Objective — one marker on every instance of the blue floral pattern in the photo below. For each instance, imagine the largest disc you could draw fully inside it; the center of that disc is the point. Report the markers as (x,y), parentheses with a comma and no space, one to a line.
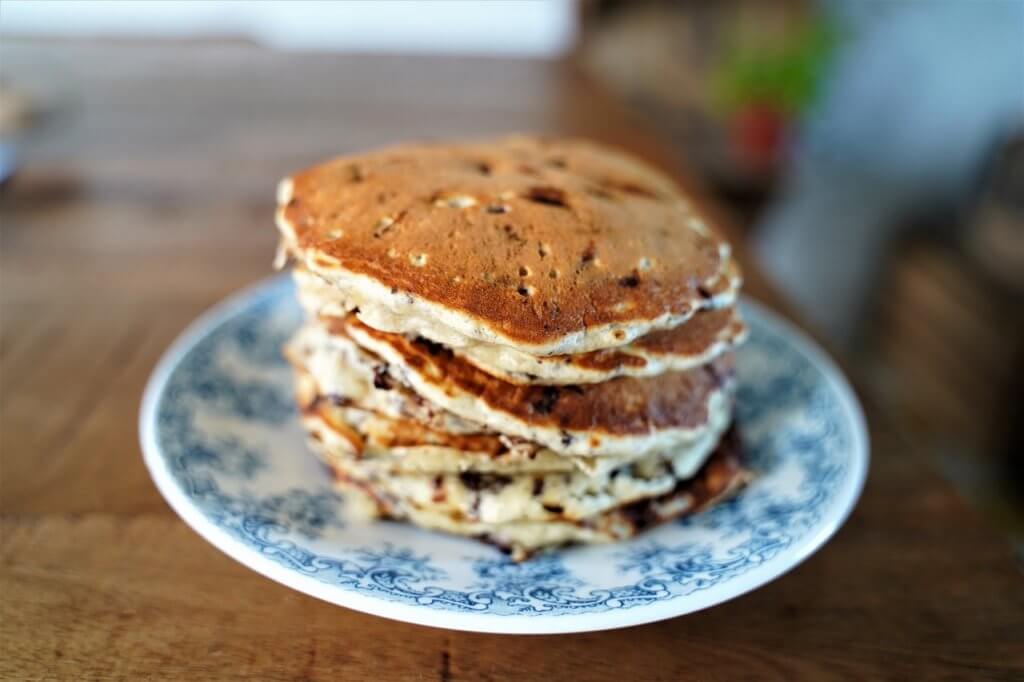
(225,431)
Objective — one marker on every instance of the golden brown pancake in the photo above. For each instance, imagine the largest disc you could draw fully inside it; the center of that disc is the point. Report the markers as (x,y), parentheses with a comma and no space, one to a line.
(344,430)
(345,375)
(610,418)
(389,433)
(338,384)
(547,246)
(522,340)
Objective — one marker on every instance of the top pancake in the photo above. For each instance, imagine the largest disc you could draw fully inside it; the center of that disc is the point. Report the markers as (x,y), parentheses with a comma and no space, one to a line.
(549,247)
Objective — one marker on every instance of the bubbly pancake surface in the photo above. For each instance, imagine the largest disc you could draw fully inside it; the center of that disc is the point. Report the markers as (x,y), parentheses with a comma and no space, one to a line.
(546,246)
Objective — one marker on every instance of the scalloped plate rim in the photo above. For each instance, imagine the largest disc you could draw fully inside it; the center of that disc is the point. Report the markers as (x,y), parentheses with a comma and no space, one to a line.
(847,497)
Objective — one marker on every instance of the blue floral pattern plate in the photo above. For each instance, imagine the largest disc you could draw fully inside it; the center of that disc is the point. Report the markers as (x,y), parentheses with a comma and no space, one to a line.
(221,439)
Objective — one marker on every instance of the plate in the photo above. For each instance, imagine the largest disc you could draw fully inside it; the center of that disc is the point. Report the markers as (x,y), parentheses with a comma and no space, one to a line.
(221,438)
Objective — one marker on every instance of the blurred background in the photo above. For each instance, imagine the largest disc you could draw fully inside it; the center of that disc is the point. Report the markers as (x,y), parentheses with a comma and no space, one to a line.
(870,153)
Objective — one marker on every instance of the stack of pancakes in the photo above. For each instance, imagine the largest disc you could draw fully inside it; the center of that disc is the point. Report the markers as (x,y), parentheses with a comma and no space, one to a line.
(526,341)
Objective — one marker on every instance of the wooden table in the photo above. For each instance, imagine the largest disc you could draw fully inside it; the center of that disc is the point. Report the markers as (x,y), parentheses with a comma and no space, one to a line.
(148,199)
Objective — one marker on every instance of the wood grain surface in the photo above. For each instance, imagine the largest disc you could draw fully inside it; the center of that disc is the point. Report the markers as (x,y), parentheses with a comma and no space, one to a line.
(146,196)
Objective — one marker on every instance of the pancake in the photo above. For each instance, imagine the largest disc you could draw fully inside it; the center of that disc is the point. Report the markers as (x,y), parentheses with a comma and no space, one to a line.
(621,417)
(548,247)
(720,476)
(706,336)
(390,446)
(520,340)
(341,409)
(701,339)
(333,367)
(394,447)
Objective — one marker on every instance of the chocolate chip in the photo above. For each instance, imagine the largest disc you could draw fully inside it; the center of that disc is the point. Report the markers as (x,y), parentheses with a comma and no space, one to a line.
(381,379)
(553,508)
(546,402)
(566,439)
(589,254)
(704,292)
(511,233)
(538,485)
(631,281)
(431,347)
(639,514)
(477,481)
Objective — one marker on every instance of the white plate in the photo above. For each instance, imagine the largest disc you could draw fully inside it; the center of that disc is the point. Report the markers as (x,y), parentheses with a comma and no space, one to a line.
(221,440)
